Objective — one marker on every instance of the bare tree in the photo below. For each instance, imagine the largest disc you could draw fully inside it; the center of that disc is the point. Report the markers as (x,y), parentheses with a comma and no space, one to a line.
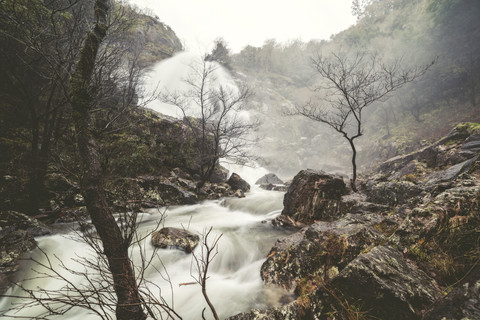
(93,291)
(213,113)
(349,85)
(115,246)
(202,263)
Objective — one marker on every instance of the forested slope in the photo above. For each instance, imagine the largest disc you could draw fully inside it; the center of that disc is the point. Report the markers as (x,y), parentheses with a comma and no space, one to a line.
(413,32)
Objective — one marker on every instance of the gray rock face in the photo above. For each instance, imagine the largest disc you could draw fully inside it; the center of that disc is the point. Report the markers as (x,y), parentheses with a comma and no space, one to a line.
(236,182)
(269,178)
(389,286)
(315,195)
(319,249)
(175,238)
(393,193)
(452,173)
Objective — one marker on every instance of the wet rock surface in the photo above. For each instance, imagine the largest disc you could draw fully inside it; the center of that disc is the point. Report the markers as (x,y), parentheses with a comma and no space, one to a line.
(236,182)
(314,195)
(391,251)
(319,249)
(176,239)
(391,287)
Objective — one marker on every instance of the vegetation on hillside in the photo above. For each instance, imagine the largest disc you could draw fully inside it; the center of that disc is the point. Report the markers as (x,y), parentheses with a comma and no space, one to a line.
(40,44)
(418,32)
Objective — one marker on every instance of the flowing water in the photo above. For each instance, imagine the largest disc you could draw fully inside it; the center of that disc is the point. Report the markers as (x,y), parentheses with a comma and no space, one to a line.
(234,283)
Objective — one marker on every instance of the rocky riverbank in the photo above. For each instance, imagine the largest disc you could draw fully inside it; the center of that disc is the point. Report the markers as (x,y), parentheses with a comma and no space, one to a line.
(405,247)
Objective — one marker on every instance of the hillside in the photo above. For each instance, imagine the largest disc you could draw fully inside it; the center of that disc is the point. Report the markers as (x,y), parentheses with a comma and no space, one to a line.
(421,112)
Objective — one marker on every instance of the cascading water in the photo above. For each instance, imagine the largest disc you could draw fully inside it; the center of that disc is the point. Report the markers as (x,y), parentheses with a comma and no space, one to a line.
(234,284)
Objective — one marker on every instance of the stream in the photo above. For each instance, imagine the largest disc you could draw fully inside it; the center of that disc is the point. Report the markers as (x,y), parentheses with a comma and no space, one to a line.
(234,283)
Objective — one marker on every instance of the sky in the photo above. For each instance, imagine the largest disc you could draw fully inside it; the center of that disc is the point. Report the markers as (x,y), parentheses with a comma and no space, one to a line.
(250,22)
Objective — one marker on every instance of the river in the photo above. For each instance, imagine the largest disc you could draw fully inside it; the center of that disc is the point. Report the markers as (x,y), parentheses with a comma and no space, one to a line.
(234,283)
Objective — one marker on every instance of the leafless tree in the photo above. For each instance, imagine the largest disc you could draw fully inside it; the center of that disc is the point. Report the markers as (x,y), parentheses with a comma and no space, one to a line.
(212,112)
(94,291)
(351,84)
(201,263)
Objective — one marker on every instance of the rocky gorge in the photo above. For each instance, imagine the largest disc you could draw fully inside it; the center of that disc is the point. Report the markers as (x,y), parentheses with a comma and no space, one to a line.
(406,246)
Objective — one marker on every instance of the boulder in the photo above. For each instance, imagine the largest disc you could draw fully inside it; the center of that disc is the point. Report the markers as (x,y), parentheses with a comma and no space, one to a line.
(175,238)
(269,178)
(320,249)
(388,286)
(236,182)
(220,174)
(315,195)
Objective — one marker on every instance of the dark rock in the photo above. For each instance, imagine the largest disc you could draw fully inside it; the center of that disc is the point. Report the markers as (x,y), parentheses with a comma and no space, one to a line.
(236,182)
(315,195)
(175,238)
(269,178)
(239,194)
(451,173)
(320,249)
(472,145)
(389,286)
(149,192)
(287,312)
(220,174)
(17,232)
(273,187)
(287,222)
(393,193)
(463,302)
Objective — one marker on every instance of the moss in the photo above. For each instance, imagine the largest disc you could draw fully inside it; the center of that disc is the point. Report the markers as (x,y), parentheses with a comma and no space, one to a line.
(450,142)
(469,127)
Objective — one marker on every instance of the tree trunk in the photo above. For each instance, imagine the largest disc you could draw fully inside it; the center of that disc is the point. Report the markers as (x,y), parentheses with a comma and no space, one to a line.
(115,247)
(354,166)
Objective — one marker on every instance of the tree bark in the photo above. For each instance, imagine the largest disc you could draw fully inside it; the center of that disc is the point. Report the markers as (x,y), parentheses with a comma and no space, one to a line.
(354,166)
(115,247)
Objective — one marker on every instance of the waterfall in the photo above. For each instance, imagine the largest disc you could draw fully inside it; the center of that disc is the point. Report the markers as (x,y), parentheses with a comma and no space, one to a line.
(234,283)
(170,75)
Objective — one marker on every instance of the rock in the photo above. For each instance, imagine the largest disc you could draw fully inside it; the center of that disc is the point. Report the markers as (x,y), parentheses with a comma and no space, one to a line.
(393,193)
(239,194)
(17,232)
(388,286)
(220,174)
(269,178)
(175,238)
(315,195)
(451,173)
(463,302)
(236,182)
(287,312)
(273,187)
(318,248)
(149,192)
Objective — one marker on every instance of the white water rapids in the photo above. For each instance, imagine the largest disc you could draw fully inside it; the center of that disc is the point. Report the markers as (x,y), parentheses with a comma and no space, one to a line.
(234,283)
